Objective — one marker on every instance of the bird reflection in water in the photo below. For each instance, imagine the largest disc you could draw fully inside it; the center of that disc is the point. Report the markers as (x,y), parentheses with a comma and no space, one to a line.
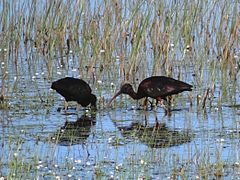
(156,136)
(76,132)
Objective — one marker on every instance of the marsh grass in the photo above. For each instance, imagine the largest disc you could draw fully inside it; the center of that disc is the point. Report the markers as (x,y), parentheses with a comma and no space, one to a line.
(107,42)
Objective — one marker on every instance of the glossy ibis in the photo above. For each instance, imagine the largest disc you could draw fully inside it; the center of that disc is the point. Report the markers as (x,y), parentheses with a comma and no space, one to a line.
(156,87)
(73,89)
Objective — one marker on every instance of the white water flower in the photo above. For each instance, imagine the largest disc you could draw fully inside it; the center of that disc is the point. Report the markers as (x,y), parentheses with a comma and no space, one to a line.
(237,164)
(118,166)
(99,82)
(110,140)
(112,84)
(78,161)
(22,131)
(235,57)
(220,140)
(39,166)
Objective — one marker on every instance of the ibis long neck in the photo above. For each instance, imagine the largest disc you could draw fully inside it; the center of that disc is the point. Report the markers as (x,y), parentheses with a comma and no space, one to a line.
(134,95)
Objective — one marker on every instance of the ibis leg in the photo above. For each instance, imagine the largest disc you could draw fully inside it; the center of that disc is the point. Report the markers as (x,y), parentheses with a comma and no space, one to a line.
(156,118)
(161,102)
(145,118)
(78,107)
(152,104)
(65,105)
(166,108)
(145,103)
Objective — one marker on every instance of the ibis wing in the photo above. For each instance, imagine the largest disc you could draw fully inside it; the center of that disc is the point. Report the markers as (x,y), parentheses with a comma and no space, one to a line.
(160,86)
(72,89)
(78,92)
(158,91)
(151,89)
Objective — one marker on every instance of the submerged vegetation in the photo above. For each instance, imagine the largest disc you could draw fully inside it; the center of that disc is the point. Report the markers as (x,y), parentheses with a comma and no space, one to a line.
(108,42)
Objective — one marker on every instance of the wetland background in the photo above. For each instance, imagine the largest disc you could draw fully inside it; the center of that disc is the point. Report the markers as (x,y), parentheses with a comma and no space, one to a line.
(106,43)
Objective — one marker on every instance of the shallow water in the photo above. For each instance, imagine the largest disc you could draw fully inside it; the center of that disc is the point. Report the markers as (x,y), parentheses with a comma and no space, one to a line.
(117,141)
(121,141)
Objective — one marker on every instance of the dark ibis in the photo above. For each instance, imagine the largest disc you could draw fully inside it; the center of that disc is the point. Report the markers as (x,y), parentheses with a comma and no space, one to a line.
(156,87)
(73,89)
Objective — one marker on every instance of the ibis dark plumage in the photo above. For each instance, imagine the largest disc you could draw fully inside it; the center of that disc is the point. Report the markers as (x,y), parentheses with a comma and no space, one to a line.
(156,87)
(73,89)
